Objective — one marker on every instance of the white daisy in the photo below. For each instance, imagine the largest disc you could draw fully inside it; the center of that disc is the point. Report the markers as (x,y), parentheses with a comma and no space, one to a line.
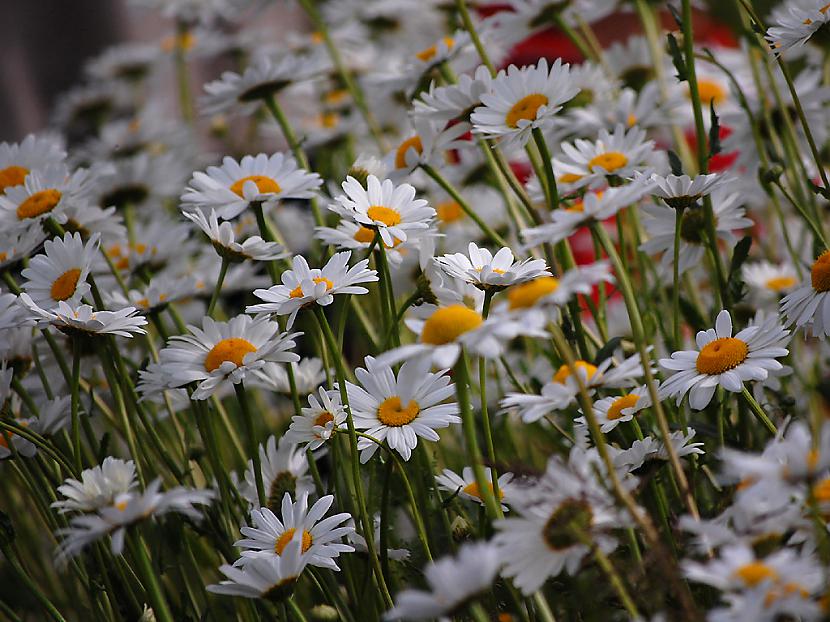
(466,486)
(796,23)
(45,193)
(808,306)
(224,352)
(320,537)
(613,410)
(428,146)
(284,471)
(17,245)
(392,210)
(53,416)
(98,486)
(724,360)
(682,191)
(488,271)
(231,188)
(303,286)
(453,583)
(319,421)
(32,153)
(549,290)
(659,223)
(399,409)
(593,206)
(454,101)
(617,154)
(223,240)
(270,577)
(653,448)
(262,79)
(308,375)
(12,314)
(349,235)
(59,274)
(769,280)
(84,320)
(522,99)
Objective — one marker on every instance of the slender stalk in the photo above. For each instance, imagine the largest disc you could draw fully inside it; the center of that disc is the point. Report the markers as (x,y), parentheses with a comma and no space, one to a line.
(547,163)
(155,593)
(461,6)
(675,295)
(485,414)
(253,449)
(758,411)
(75,417)
(223,270)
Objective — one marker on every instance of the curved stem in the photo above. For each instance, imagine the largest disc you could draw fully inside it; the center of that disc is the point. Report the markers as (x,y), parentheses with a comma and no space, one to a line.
(223,270)
(758,411)
(253,449)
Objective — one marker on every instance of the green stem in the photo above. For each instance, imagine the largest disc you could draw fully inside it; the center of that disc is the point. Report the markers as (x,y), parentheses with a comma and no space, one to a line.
(678,222)
(758,411)
(151,583)
(75,417)
(461,6)
(253,449)
(547,163)
(223,270)
(485,415)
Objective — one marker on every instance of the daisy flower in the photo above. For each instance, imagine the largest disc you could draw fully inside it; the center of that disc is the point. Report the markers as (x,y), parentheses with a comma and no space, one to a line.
(724,360)
(392,210)
(454,101)
(617,154)
(14,246)
(232,187)
(60,273)
(428,145)
(453,583)
(399,409)
(653,448)
(488,271)
(443,330)
(303,286)
(12,314)
(611,411)
(318,422)
(222,238)
(98,486)
(539,540)
(520,100)
(32,153)
(262,79)
(808,306)
(682,191)
(53,416)
(224,352)
(270,577)
(796,23)
(308,375)
(83,320)
(550,290)
(594,206)
(320,537)
(45,193)
(769,279)
(127,509)
(349,235)
(659,223)
(466,487)
(284,471)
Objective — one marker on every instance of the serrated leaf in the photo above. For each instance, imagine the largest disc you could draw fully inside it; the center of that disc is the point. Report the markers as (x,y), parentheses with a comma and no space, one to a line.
(677,58)
(714,131)
(675,163)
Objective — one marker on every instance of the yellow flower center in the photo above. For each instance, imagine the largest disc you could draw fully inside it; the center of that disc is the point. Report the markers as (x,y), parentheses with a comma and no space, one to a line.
(183,41)
(323,418)
(784,590)
(621,403)
(427,54)
(286,537)
(564,372)
(297,292)
(721,355)
(364,235)
(12,176)
(754,573)
(446,324)
(820,273)
(711,91)
(64,286)
(263,183)
(526,108)
(570,178)
(232,349)
(525,295)
(449,211)
(821,491)
(474,491)
(386,215)
(392,413)
(780,283)
(631,120)
(335,97)
(410,143)
(39,203)
(609,161)
(122,505)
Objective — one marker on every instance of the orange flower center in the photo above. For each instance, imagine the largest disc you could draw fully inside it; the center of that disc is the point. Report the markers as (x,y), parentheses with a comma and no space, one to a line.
(232,349)
(64,286)
(473,490)
(526,108)
(564,372)
(721,355)
(569,178)
(711,91)
(446,324)
(297,292)
(449,211)
(410,143)
(526,295)
(287,536)
(427,54)
(820,273)
(323,418)
(620,404)
(386,215)
(39,203)
(12,176)
(263,183)
(754,573)
(609,161)
(391,412)
(780,283)
(821,491)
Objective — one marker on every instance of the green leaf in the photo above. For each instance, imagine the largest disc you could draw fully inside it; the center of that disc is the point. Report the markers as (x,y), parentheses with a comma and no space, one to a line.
(677,58)
(675,163)
(607,350)
(714,131)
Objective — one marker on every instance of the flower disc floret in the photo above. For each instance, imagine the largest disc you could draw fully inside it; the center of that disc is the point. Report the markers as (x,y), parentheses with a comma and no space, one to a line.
(721,355)
(446,324)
